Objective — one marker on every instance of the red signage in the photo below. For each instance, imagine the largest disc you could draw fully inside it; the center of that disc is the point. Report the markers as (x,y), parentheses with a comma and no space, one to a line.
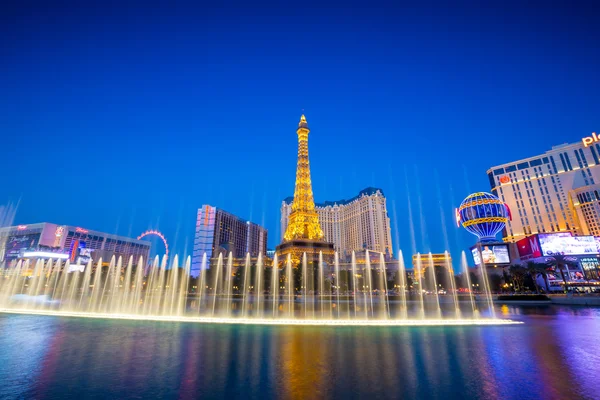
(81,230)
(529,248)
(21,227)
(504,179)
(74,248)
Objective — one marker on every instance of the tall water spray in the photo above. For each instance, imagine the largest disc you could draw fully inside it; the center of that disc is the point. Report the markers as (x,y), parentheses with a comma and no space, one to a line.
(122,288)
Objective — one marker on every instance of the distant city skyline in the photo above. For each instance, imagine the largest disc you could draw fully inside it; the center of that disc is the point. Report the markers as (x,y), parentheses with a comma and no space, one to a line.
(122,124)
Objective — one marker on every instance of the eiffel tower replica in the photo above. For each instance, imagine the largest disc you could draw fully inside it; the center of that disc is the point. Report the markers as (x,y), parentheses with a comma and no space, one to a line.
(303,233)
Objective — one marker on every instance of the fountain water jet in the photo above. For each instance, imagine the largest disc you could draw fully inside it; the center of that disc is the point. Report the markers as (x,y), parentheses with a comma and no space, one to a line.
(162,294)
(246,289)
(202,286)
(258,289)
(465,271)
(354,286)
(419,272)
(275,286)
(435,285)
(450,272)
(290,287)
(216,283)
(369,281)
(229,285)
(403,286)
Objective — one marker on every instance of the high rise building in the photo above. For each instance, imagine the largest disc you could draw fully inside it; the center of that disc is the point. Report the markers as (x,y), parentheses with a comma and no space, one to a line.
(218,231)
(79,245)
(586,201)
(303,234)
(543,192)
(358,224)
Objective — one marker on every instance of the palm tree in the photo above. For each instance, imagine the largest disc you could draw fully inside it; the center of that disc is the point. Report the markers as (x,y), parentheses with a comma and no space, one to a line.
(533,271)
(543,270)
(560,262)
(517,273)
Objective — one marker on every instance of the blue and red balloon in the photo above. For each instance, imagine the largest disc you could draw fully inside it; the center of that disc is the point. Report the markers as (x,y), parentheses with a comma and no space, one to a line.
(483,215)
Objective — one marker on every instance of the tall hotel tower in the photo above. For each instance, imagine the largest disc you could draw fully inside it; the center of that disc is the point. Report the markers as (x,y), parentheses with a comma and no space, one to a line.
(303,234)
(553,192)
(360,223)
(220,232)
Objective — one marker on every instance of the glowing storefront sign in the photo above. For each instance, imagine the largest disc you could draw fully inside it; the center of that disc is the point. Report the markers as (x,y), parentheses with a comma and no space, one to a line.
(597,239)
(529,248)
(590,266)
(587,141)
(45,254)
(476,257)
(565,244)
(491,254)
(495,254)
(81,230)
(21,227)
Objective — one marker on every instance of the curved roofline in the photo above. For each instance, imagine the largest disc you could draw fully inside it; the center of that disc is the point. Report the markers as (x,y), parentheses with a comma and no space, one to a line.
(369,191)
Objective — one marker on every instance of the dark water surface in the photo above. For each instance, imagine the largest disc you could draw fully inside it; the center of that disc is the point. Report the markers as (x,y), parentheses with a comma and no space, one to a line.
(555,355)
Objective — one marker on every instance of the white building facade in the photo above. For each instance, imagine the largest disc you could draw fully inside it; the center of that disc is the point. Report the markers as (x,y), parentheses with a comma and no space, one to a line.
(360,223)
(541,191)
(586,201)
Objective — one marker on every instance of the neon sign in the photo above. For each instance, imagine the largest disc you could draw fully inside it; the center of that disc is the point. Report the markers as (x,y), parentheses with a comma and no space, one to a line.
(21,227)
(81,230)
(590,139)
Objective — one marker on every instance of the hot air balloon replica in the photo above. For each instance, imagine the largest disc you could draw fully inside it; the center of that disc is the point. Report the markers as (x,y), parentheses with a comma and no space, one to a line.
(485,215)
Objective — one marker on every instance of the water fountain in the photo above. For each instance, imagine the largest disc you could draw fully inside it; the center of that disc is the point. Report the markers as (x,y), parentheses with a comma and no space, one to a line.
(119,289)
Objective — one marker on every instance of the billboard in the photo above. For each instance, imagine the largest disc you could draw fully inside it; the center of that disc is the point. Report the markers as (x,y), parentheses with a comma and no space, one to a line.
(495,254)
(529,248)
(590,266)
(597,239)
(16,243)
(53,235)
(476,258)
(491,254)
(565,244)
(84,256)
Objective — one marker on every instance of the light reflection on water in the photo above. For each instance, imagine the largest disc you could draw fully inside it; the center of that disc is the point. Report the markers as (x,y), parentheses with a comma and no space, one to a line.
(554,355)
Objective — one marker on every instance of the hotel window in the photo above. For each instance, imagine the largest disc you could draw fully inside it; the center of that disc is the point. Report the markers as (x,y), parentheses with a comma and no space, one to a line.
(594,155)
(578,159)
(562,160)
(583,157)
(568,161)
(554,170)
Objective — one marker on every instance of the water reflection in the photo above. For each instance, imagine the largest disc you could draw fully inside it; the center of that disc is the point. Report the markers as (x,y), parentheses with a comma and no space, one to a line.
(552,356)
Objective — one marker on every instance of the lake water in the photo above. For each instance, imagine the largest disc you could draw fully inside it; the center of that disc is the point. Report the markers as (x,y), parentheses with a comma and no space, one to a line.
(554,355)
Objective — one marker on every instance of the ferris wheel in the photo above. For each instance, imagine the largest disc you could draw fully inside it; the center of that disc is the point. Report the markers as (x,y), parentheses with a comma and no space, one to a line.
(160,235)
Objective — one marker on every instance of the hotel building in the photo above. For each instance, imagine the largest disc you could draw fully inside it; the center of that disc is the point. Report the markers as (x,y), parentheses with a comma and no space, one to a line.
(554,192)
(79,245)
(358,224)
(218,231)
(586,201)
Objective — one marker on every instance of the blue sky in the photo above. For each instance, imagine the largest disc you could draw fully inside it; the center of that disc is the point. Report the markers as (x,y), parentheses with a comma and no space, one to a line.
(130,117)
